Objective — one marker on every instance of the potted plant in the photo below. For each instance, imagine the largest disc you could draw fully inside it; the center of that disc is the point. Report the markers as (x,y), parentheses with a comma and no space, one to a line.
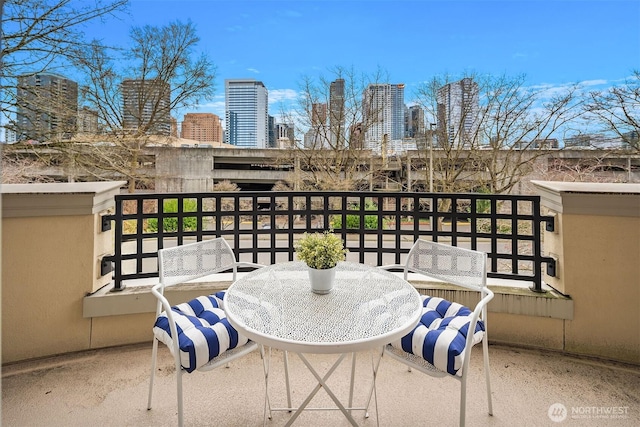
(321,252)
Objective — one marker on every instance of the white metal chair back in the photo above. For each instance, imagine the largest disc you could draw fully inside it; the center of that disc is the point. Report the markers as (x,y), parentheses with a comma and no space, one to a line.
(451,264)
(183,263)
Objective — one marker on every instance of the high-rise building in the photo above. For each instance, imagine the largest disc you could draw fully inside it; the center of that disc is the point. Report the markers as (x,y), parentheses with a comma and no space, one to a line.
(146,106)
(414,119)
(285,135)
(356,136)
(47,107)
(318,115)
(458,105)
(318,134)
(87,121)
(202,127)
(246,113)
(337,113)
(175,127)
(10,136)
(383,106)
(273,131)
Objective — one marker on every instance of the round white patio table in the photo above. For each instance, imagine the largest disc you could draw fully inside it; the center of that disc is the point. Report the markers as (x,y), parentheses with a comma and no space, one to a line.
(366,309)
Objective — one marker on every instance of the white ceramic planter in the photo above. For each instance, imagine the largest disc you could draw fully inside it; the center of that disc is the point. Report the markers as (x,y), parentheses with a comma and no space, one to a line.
(322,280)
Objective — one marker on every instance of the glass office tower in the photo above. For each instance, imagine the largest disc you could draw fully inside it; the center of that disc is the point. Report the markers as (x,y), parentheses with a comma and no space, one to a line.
(337,113)
(47,107)
(384,112)
(246,113)
(458,105)
(146,106)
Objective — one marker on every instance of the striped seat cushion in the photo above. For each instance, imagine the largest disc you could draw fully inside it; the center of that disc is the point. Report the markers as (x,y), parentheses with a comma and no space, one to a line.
(203,331)
(440,336)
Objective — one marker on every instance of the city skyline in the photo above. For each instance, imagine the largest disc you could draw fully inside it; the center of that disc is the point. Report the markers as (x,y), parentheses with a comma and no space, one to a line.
(554,44)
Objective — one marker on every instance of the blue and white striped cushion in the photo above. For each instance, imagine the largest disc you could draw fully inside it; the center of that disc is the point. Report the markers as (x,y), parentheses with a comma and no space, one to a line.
(203,331)
(440,337)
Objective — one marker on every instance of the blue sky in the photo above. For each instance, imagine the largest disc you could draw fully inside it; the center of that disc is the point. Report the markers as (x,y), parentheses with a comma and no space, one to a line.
(553,43)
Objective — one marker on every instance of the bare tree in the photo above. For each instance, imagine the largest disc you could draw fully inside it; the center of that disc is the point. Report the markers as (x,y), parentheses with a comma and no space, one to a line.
(599,165)
(43,36)
(39,36)
(491,145)
(18,169)
(617,110)
(163,72)
(331,116)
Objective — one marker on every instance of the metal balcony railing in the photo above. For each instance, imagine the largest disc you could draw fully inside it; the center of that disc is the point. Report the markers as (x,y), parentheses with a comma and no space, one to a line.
(378,227)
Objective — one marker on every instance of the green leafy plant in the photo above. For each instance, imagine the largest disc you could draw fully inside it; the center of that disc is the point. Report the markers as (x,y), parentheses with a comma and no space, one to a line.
(321,250)
(353,221)
(170,224)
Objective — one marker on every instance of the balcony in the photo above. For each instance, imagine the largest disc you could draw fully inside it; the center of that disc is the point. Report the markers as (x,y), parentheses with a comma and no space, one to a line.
(109,387)
(82,350)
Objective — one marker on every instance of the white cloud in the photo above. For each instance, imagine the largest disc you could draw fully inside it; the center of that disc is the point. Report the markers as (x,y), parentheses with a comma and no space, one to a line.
(282,95)
(599,82)
(254,70)
(548,91)
(214,105)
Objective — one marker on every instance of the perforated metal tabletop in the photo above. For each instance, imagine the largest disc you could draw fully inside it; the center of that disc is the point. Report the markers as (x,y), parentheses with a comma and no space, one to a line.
(367,307)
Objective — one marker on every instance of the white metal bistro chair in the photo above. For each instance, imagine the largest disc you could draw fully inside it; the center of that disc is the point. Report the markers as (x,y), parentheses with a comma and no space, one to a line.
(197,332)
(441,344)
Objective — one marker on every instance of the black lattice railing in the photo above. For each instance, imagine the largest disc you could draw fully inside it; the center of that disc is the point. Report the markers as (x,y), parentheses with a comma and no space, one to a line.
(378,227)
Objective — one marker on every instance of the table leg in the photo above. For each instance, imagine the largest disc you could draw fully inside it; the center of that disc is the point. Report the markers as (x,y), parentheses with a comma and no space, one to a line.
(266,363)
(321,384)
(286,377)
(375,365)
(351,384)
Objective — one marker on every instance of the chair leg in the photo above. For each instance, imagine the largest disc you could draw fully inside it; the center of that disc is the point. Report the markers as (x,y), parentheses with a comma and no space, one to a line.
(463,398)
(179,393)
(154,356)
(487,373)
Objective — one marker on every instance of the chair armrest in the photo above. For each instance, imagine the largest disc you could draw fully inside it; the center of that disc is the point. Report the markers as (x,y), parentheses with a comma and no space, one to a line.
(249,264)
(162,301)
(482,304)
(476,314)
(392,267)
(166,306)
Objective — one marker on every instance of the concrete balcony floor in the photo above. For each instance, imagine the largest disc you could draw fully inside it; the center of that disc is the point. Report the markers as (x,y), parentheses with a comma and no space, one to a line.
(109,388)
